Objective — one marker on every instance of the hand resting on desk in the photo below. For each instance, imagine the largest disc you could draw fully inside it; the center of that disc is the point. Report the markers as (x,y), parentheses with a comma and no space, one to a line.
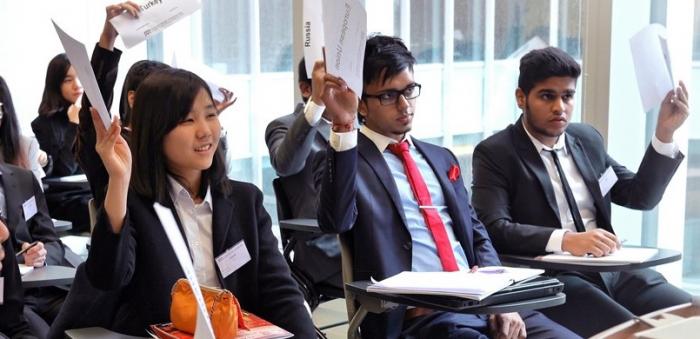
(597,242)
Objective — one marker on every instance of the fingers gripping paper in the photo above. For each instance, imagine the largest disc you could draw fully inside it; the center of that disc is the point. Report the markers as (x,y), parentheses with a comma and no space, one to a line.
(203,329)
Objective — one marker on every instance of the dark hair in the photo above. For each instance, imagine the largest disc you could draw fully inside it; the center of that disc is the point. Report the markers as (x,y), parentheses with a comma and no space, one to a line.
(162,101)
(138,71)
(9,130)
(302,77)
(52,100)
(385,57)
(540,64)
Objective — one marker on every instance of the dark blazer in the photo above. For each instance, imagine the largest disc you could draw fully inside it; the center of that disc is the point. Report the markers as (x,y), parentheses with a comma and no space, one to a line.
(513,194)
(359,196)
(12,322)
(105,64)
(19,186)
(56,134)
(140,261)
(297,153)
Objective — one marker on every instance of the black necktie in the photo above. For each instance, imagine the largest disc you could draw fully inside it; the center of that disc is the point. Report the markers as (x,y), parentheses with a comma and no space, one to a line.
(570,200)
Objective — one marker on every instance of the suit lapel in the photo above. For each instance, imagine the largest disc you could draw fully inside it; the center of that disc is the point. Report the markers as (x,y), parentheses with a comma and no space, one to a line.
(589,177)
(450,196)
(528,154)
(368,151)
(221,218)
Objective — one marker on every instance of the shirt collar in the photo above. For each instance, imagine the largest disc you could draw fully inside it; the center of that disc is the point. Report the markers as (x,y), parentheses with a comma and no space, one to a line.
(539,146)
(382,141)
(177,191)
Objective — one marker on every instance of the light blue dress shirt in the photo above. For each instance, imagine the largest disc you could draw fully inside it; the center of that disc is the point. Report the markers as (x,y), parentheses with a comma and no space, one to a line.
(424,255)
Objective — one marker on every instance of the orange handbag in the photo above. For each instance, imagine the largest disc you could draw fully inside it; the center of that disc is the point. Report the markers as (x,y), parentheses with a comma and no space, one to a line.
(222,306)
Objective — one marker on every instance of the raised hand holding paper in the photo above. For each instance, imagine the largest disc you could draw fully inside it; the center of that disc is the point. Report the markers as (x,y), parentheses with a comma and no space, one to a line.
(77,54)
(154,16)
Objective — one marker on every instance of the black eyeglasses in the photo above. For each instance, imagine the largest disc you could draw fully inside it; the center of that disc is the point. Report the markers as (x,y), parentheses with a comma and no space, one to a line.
(390,97)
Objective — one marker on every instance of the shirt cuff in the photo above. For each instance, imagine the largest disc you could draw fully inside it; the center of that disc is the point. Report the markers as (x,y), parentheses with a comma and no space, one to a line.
(343,141)
(555,240)
(313,112)
(667,149)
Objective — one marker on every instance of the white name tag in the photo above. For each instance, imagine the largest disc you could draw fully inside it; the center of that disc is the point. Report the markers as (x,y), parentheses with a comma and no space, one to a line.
(29,208)
(2,289)
(233,259)
(607,181)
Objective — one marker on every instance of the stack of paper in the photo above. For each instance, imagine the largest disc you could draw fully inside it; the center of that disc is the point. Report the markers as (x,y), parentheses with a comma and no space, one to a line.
(464,284)
(625,255)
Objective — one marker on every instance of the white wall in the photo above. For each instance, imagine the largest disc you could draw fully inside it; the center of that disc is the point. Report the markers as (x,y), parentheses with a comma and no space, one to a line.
(28,42)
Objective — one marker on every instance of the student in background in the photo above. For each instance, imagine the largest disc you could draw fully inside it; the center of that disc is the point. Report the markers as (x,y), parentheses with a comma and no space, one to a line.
(177,163)
(12,322)
(56,128)
(15,148)
(297,145)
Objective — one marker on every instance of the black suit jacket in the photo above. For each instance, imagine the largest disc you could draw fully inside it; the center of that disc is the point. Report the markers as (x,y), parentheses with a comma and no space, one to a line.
(12,322)
(359,196)
(139,261)
(297,153)
(105,64)
(513,194)
(56,134)
(20,185)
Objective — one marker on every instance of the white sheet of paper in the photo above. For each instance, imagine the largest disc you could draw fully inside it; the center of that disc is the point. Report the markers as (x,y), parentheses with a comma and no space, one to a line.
(155,16)
(607,181)
(24,269)
(203,329)
(345,33)
(78,56)
(313,33)
(213,78)
(233,258)
(29,208)
(652,65)
(624,255)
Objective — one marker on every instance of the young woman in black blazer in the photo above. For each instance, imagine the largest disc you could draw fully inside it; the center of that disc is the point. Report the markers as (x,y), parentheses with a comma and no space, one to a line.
(56,128)
(174,144)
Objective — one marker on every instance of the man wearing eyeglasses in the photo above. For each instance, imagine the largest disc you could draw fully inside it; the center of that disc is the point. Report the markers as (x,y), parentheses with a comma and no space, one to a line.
(401,203)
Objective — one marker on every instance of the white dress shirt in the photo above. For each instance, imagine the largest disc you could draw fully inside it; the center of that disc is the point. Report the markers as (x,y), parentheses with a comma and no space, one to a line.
(196,220)
(584,199)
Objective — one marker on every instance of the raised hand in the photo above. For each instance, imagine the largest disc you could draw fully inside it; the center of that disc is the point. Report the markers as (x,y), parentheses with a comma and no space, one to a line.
(340,101)
(112,148)
(229,100)
(109,34)
(673,113)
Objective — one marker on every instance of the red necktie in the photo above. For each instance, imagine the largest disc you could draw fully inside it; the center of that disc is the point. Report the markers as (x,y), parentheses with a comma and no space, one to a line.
(425,204)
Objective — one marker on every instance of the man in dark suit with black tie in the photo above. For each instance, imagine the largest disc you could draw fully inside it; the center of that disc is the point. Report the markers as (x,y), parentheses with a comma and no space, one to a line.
(297,145)
(12,322)
(545,185)
(402,202)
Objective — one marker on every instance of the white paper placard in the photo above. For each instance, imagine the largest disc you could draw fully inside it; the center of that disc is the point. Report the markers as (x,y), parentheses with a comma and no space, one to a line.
(203,329)
(345,33)
(652,65)
(154,17)
(78,56)
(313,33)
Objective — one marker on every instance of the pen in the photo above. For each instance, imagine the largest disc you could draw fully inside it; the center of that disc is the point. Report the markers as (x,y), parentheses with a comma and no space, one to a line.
(26,249)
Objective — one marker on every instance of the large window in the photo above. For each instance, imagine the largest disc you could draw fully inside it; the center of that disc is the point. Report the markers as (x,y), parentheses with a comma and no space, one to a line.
(691,251)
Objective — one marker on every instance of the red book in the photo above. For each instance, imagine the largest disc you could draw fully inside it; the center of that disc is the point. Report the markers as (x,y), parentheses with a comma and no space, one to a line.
(255,328)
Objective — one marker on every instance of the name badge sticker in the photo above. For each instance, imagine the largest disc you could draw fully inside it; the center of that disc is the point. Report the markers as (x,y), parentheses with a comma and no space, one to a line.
(29,208)
(607,181)
(233,259)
